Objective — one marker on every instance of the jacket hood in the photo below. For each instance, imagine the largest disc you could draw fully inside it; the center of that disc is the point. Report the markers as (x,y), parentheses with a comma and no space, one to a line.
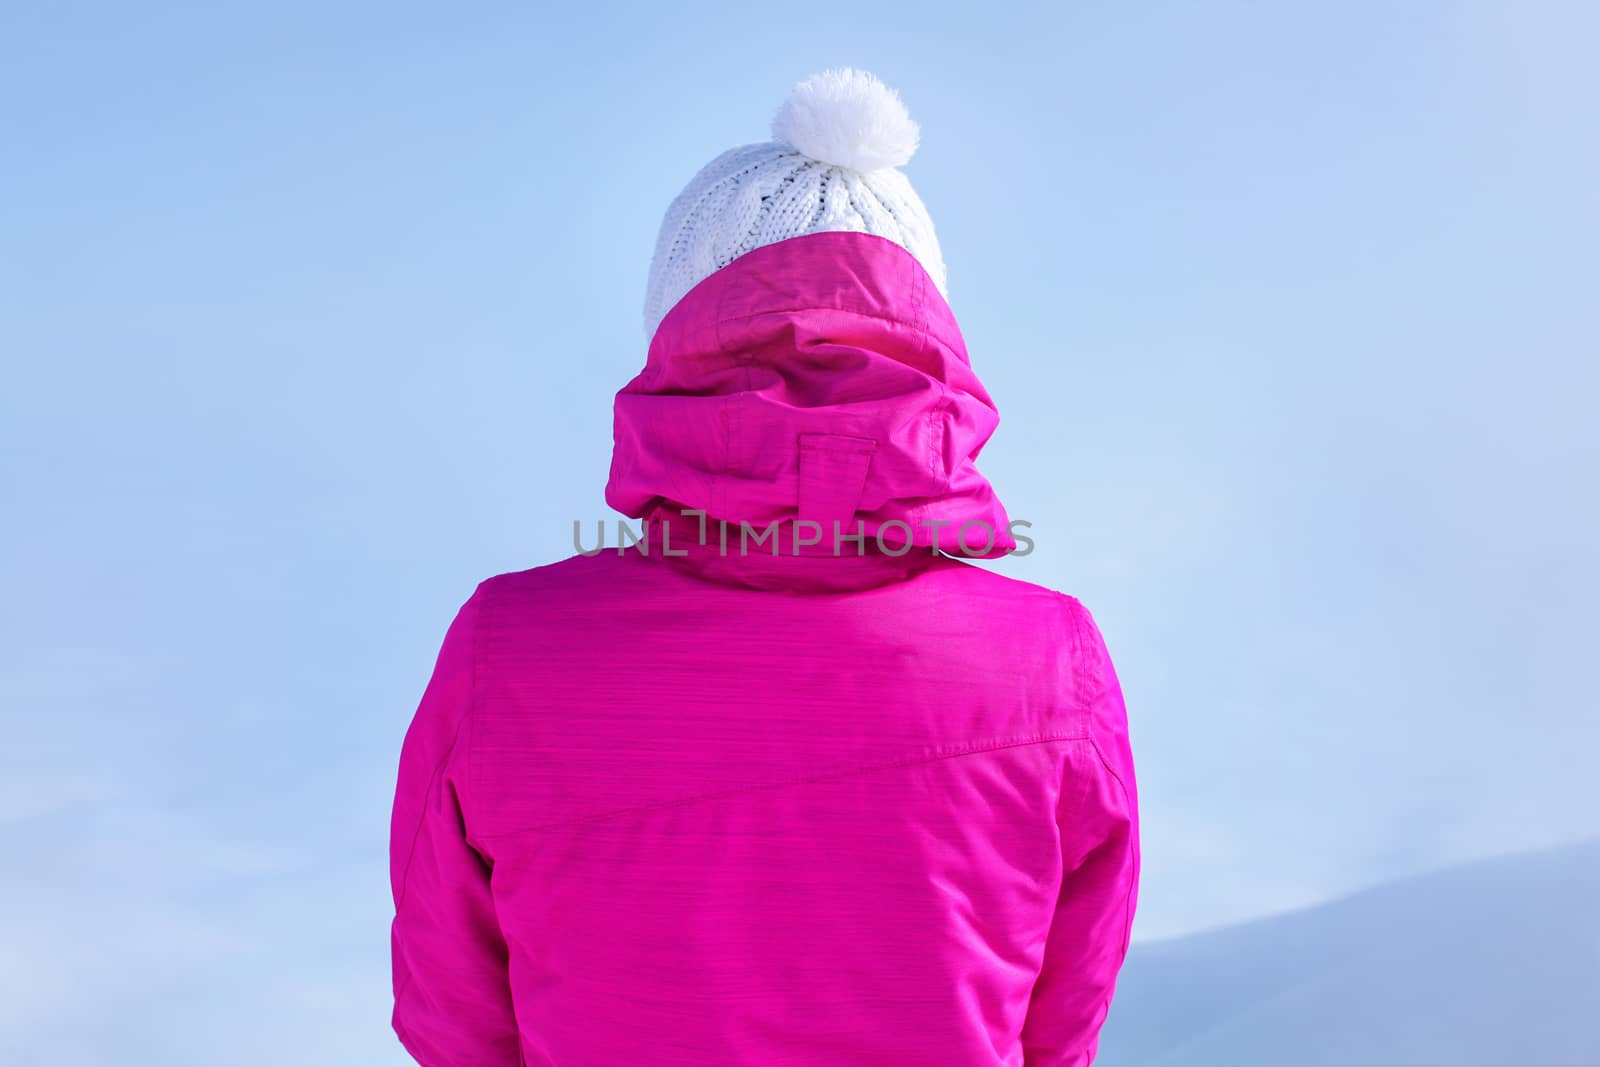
(820,379)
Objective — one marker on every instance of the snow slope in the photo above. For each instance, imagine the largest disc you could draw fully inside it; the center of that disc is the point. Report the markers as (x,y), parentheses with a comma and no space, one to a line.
(1493,963)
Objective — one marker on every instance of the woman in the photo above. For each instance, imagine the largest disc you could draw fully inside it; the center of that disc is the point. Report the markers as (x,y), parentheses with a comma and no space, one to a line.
(789,781)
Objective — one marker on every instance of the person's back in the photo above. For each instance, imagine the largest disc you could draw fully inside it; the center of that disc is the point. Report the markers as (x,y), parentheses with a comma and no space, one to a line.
(787,783)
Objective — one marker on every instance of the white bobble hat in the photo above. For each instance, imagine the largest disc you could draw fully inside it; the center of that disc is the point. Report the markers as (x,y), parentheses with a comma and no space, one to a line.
(837,140)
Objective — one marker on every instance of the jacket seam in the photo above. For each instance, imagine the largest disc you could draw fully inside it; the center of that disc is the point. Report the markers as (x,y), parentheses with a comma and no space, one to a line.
(1079,802)
(434,781)
(474,605)
(1082,695)
(484,601)
(1132,848)
(1068,810)
(944,753)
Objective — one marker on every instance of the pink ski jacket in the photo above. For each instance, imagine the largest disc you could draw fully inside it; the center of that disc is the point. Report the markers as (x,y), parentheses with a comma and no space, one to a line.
(795,801)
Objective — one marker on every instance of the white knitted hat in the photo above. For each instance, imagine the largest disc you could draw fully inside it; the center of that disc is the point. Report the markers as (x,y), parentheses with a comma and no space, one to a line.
(831,165)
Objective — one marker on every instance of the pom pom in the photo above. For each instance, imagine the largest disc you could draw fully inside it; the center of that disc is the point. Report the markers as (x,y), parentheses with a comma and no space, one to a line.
(847,118)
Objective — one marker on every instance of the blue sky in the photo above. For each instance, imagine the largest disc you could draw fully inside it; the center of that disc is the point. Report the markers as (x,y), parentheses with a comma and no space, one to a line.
(311,316)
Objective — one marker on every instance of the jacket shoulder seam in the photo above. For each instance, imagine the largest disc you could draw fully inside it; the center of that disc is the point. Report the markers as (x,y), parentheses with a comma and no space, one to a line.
(485,601)
(1082,695)
(436,778)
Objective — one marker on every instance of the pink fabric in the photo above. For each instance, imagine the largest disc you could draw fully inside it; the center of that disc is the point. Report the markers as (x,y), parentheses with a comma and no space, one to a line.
(870,808)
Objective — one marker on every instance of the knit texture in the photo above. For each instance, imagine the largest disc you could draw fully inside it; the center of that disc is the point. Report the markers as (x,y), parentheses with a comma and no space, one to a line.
(758,194)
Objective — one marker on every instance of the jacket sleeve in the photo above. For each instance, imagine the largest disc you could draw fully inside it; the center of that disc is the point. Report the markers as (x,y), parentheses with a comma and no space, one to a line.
(452,997)
(1098,817)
